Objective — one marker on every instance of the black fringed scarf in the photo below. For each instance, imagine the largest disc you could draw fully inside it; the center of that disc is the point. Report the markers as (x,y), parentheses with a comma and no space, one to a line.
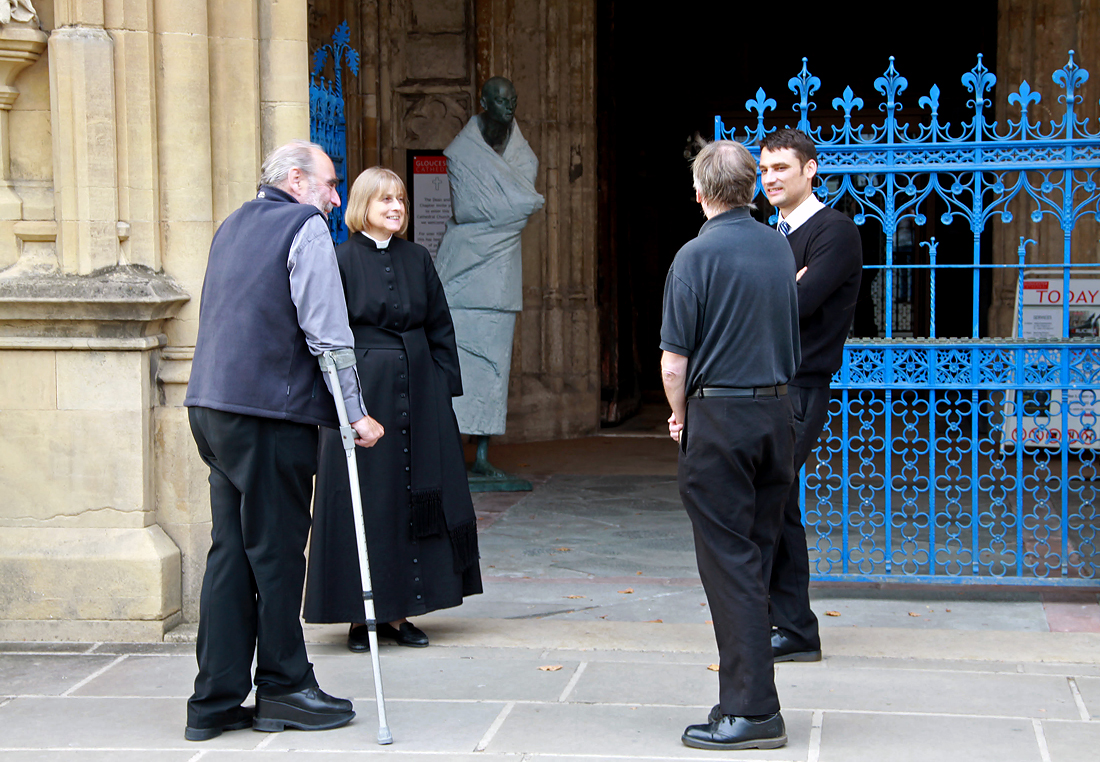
(430,409)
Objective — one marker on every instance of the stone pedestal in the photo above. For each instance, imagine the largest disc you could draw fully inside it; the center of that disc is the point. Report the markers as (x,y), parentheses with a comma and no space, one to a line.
(80,551)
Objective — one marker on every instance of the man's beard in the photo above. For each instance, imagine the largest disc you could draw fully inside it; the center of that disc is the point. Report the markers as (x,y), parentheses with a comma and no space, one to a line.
(318,196)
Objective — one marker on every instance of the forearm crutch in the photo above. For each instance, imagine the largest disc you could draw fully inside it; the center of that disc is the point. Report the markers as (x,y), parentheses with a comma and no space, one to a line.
(331,362)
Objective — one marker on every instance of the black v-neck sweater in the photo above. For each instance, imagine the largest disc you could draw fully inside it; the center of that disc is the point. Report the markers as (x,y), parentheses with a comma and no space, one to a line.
(829,247)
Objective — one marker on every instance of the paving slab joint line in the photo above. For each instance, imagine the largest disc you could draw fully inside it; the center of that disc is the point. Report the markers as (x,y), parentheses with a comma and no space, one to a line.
(1077,699)
(266,742)
(92,648)
(198,755)
(572,682)
(94,675)
(813,752)
(1041,740)
(492,731)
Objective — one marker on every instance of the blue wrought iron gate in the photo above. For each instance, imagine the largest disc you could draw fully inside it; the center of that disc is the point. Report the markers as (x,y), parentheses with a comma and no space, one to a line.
(948,460)
(327,122)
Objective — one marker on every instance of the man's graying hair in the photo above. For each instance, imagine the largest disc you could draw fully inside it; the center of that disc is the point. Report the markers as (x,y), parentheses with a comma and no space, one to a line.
(297,153)
(725,174)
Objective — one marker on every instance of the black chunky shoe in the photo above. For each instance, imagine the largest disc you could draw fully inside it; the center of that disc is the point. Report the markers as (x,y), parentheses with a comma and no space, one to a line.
(731,732)
(309,709)
(238,719)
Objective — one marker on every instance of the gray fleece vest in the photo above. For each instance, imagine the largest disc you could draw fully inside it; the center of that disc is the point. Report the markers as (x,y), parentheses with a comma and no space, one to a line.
(251,356)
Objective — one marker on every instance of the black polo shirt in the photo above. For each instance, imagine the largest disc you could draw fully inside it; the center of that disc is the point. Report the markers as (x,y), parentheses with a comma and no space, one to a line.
(731,305)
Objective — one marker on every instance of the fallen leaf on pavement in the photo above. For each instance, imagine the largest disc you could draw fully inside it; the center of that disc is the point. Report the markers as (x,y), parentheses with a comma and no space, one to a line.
(655,621)
(713,667)
(638,573)
(574,596)
(550,667)
(709,621)
(913,613)
(562,550)
(832,613)
(628,591)
(948,610)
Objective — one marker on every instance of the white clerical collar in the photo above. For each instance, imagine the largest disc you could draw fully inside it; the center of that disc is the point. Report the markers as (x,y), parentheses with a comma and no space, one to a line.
(802,212)
(379,244)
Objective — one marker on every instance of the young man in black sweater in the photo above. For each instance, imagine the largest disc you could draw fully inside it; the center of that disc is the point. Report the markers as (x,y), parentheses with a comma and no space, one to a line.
(829,260)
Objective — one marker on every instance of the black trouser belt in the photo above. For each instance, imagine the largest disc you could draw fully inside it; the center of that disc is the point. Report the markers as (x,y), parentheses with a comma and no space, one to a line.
(728,391)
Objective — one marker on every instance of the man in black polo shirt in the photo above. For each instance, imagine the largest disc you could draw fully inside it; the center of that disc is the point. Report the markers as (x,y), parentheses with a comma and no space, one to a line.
(829,256)
(730,341)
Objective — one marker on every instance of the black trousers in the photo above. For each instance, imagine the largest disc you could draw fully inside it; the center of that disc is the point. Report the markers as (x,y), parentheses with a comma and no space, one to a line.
(790,578)
(735,472)
(261,481)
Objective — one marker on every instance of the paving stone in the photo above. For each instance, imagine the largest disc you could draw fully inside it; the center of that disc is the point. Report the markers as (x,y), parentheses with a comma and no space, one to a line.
(46,674)
(646,684)
(445,679)
(960,665)
(107,755)
(1026,616)
(97,723)
(44,648)
(1090,693)
(1072,741)
(153,676)
(942,692)
(426,726)
(1067,669)
(379,752)
(855,737)
(623,731)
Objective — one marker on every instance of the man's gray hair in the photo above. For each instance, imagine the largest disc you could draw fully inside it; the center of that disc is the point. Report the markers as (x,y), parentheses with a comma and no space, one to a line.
(297,153)
(725,174)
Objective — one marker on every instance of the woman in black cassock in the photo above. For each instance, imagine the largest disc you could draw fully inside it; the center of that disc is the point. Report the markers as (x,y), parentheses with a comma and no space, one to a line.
(420,524)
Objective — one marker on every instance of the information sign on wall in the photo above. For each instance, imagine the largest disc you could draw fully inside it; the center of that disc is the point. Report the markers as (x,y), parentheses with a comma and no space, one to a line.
(430,198)
(1039,315)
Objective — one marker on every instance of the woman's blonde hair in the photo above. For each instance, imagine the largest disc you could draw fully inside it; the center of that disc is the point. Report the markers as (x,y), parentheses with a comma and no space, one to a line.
(370,184)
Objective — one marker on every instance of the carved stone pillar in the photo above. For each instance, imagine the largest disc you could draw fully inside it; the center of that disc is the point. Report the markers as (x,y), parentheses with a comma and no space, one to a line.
(21,44)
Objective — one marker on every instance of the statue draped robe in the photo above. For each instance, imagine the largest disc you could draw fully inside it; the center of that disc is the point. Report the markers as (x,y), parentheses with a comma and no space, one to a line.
(480,266)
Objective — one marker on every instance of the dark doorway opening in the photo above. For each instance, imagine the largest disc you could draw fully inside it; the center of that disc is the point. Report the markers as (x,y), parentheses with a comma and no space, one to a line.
(662,77)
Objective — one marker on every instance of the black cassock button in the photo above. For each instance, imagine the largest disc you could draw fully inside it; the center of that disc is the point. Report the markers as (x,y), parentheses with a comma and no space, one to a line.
(402,395)
(387,269)
(391,288)
(404,415)
(404,431)
(406,468)
(406,449)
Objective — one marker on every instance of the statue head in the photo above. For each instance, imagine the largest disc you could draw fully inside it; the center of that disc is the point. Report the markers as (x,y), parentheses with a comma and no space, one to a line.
(498,98)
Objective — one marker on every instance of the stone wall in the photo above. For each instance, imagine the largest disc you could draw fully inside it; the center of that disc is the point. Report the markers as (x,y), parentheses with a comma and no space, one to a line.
(131,135)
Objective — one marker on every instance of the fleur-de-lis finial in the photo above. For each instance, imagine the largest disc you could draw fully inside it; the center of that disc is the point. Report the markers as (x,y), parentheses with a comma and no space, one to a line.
(891,84)
(1070,77)
(804,85)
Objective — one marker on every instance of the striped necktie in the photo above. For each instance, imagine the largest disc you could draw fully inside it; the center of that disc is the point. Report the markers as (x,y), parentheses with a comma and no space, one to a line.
(785,227)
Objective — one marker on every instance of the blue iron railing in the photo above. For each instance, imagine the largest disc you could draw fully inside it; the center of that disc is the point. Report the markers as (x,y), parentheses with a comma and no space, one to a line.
(955,460)
(327,123)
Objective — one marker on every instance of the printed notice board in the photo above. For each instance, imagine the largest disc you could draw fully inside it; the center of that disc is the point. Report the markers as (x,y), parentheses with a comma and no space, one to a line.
(430,198)
(1039,315)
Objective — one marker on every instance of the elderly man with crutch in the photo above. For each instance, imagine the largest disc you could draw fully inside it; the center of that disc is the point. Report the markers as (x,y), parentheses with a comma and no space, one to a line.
(272,302)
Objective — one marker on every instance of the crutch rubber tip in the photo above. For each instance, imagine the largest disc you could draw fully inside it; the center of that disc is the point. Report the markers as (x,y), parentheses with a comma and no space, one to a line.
(384,736)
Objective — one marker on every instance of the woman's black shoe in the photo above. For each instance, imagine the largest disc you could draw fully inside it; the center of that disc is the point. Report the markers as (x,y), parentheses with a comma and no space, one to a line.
(408,634)
(359,638)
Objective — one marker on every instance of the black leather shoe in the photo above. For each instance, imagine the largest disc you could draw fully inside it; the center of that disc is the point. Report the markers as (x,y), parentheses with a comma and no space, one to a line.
(238,719)
(359,638)
(786,646)
(309,709)
(408,634)
(730,732)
